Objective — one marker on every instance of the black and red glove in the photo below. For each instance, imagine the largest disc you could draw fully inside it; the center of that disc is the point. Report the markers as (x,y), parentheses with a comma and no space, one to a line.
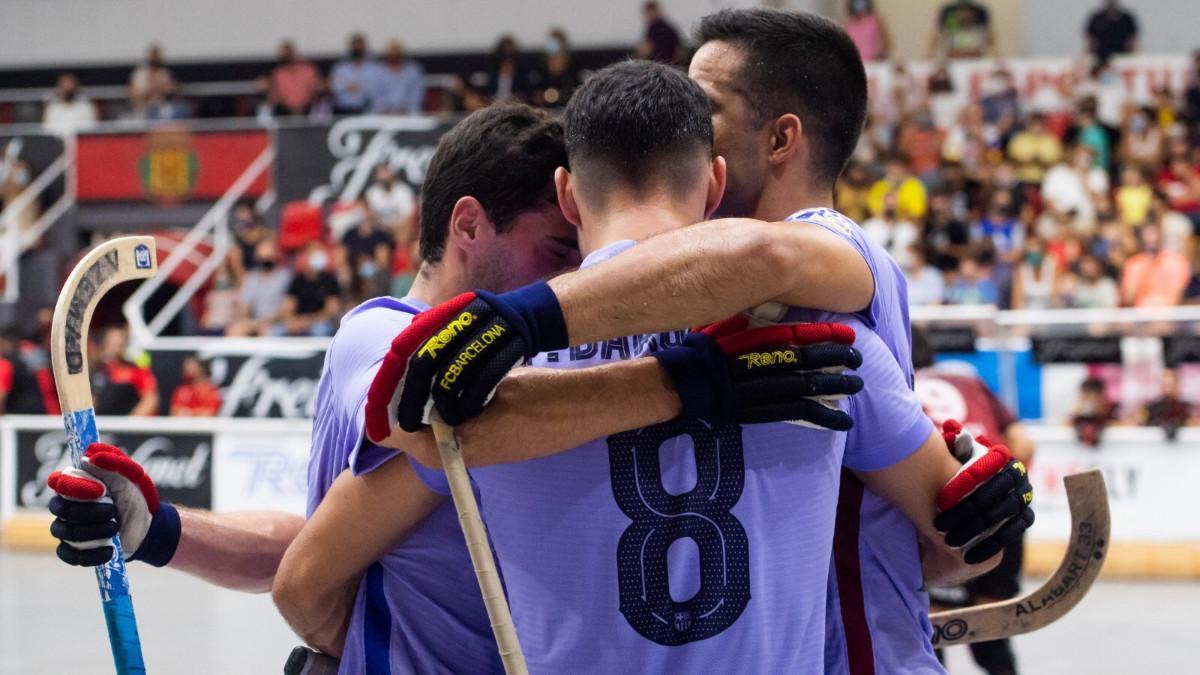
(780,373)
(987,504)
(110,493)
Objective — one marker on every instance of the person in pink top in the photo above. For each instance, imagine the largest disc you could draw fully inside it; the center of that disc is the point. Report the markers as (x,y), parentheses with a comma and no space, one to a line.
(293,81)
(867,29)
(1154,277)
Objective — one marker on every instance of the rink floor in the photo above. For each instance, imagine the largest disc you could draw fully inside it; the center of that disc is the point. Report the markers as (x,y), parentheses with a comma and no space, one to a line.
(50,623)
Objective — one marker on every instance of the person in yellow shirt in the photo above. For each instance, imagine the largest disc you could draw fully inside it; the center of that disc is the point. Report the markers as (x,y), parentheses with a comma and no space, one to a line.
(1034,150)
(911,200)
(1134,196)
(852,192)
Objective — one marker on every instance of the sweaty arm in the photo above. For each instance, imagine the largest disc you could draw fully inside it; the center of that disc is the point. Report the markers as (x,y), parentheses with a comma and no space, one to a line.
(706,272)
(318,578)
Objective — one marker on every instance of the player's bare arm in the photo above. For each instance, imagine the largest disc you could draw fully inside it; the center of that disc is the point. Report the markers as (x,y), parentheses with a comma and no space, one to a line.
(111,493)
(318,577)
(725,266)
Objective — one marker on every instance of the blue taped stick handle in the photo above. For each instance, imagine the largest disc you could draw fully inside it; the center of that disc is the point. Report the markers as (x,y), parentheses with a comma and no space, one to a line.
(110,577)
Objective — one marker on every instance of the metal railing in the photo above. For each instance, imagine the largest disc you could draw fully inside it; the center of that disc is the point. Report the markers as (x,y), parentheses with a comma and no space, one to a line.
(16,241)
(1053,317)
(214,226)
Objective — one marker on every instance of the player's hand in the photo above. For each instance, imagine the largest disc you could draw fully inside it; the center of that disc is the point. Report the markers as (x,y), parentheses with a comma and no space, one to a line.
(781,373)
(455,354)
(987,504)
(110,493)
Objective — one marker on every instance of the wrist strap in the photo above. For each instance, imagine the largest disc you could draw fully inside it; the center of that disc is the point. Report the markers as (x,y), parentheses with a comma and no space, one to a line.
(162,538)
(700,376)
(535,309)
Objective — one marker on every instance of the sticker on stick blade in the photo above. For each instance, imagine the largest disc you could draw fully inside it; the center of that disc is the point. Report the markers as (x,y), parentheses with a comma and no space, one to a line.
(141,257)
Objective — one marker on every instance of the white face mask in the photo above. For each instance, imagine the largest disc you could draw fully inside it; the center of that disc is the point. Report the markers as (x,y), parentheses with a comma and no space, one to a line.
(317,260)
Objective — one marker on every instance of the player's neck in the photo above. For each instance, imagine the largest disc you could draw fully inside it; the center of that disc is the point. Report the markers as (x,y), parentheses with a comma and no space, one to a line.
(435,284)
(636,221)
(780,200)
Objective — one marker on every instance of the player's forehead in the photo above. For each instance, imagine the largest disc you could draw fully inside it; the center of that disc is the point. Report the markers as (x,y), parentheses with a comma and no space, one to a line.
(715,67)
(545,221)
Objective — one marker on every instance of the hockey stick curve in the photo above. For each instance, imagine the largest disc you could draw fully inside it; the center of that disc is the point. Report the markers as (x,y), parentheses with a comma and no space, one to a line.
(1087,498)
(110,263)
(480,549)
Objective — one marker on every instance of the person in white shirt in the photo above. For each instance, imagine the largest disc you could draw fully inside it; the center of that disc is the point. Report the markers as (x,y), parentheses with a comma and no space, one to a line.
(1075,186)
(925,283)
(891,232)
(391,201)
(68,111)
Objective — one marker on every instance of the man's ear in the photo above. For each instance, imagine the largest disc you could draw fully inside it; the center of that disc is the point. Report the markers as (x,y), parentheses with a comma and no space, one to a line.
(716,186)
(786,137)
(564,187)
(469,223)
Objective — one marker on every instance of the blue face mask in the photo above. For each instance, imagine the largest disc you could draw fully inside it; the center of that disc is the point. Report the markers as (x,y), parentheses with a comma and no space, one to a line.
(366,269)
(552,47)
(317,260)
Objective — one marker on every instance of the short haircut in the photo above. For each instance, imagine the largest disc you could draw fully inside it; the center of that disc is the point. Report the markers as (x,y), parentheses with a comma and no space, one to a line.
(504,156)
(798,63)
(639,125)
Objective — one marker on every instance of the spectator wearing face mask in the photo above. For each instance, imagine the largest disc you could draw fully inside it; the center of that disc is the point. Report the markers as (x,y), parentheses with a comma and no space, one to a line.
(262,293)
(963,31)
(69,111)
(1035,280)
(1141,141)
(559,77)
(354,79)
(868,30)
(312,303)
(508,80)
(391,202)
(151,84)
(1154,277)
(401,84)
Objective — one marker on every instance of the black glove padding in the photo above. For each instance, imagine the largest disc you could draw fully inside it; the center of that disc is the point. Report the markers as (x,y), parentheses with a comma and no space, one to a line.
(992,516)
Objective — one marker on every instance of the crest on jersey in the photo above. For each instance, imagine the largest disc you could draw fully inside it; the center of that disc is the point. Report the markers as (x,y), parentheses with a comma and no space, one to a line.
(683,621)
(827,217)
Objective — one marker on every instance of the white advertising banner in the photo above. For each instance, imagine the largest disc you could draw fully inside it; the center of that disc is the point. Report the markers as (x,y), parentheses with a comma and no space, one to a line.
(1149,480)
(262,469)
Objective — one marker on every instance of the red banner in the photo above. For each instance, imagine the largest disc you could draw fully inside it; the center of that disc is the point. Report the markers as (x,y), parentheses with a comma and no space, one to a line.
(167,166)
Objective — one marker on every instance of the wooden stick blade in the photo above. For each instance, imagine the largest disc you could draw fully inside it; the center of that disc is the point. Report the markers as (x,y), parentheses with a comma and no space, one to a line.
(110,263)
(1087,498)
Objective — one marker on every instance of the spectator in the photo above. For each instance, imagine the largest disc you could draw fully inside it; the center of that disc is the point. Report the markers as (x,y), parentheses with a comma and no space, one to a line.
(1111,30)
(1180,182)
(508,80)
(1106,89)
(1154,277)
(921,145)
(368,250)
(1191,96)
(1074,187)
(893,233)
(661,41)
(150,84)
(559,78)
(964,31)
(1176,227)
(311,303)
(248,230)
(949,235)
(925,283)
(354,79)
(1134,197)
(868,30)
(974,285)
(943,102)
(852,192)
(261,296)
(320,109)
(121,386)
(15,176)
(1141,141)
(294,82)
(401,84)
(1093,412)
(1090,288)
(1001,103)
(1035,150)
(391,202)
(1035,280)
(196,396)
(220,303)
(910,193)
(68,111)
(20,392)
(1168,411)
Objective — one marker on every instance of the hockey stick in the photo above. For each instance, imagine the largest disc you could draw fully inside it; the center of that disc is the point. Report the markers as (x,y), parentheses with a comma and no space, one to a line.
(105,266)
(304,661)
(1088,500)
(481,551)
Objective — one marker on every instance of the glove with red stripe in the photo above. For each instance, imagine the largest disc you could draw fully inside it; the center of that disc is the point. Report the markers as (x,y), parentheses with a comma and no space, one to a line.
(787,372)
(987,504)
(110,493)
(454,355)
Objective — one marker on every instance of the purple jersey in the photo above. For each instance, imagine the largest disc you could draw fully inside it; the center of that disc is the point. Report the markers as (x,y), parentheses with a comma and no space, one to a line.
(878,610)
(418,608)
(684,547)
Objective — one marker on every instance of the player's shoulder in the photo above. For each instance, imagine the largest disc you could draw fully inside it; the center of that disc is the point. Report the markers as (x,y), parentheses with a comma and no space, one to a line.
(370,327)
(830,219)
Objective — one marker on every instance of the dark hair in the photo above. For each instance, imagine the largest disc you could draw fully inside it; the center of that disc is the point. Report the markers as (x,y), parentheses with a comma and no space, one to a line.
(922,349)
(637,123)
(504,156)
(1092,384)
(800,63)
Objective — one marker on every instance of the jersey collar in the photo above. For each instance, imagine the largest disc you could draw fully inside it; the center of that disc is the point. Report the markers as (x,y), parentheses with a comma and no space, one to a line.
(605,252)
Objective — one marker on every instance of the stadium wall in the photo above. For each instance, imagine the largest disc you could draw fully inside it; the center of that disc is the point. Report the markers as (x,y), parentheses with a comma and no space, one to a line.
(231,464)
